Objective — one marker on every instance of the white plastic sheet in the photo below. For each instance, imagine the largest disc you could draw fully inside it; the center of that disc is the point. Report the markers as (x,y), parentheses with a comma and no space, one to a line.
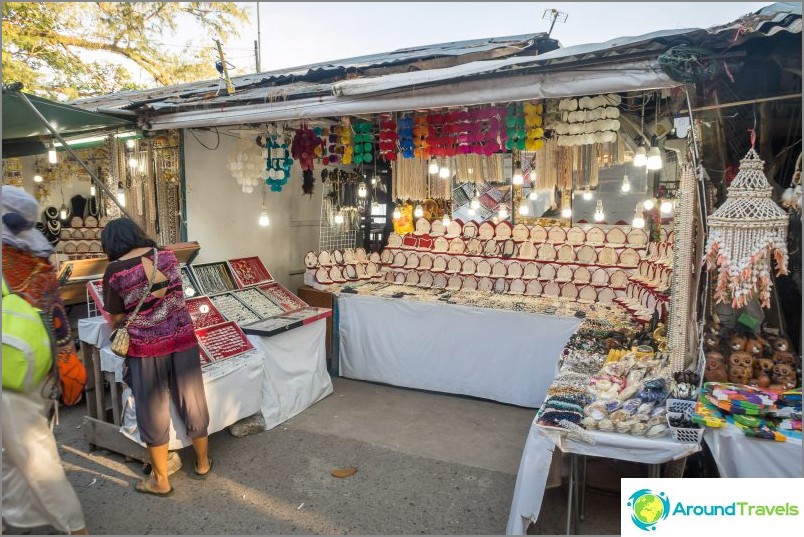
(504,356)
(737,455)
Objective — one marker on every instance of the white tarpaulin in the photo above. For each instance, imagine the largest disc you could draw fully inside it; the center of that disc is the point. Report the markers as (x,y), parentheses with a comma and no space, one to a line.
(535,464)
(737,455)
(504,356)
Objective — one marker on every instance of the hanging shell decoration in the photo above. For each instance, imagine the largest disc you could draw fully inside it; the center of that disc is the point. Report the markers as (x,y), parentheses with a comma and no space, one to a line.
(744,233)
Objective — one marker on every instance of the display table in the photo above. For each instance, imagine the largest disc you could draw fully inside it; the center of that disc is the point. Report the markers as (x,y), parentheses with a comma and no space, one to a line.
(738,455)
(505,356)
(535,464)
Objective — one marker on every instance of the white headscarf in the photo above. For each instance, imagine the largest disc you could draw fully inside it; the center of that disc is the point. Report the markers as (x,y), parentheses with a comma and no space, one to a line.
(20,214)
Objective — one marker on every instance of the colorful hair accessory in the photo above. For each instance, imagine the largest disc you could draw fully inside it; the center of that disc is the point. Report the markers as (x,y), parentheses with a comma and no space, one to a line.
(388,137)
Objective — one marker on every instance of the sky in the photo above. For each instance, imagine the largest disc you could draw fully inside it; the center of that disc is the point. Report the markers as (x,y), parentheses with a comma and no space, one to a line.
(299,33)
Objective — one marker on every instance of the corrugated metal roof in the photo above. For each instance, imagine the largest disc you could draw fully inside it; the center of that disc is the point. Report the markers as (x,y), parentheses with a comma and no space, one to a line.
(768,21)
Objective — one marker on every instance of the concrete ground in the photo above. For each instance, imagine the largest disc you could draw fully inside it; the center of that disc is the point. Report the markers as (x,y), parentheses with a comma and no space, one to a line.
(427,464)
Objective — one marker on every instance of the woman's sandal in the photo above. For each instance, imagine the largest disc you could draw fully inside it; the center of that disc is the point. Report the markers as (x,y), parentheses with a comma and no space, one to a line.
(144,487)
(198,475)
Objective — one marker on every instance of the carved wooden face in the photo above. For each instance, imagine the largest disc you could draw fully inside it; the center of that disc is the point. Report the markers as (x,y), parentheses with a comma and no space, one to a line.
(764,365)
(714,360)
(782,373)
(737,342)
(780,344)
(739,374)
(711,341)
(784,358)
(741,359)
(754,347)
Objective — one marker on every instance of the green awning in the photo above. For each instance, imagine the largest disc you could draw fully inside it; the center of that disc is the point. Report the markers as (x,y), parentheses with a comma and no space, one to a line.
(22,129)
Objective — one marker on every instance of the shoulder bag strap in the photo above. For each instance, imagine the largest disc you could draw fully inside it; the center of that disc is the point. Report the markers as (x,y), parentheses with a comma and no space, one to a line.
(147,289)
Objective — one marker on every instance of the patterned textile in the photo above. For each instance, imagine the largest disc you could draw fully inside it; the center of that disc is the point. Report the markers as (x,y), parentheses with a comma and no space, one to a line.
(34,279)
(163,325)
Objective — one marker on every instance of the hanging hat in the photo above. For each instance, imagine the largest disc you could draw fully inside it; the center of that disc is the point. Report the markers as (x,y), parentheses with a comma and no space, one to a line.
(743,234)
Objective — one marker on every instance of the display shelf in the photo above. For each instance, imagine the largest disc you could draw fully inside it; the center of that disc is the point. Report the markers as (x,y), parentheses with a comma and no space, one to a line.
(233,309)
(249,271)
(223,341)
(214,278)
(202,319)
(279,295)
(258,303)
(287,321)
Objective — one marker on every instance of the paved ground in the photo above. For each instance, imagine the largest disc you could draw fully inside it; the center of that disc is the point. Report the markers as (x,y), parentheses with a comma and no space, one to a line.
(427,464)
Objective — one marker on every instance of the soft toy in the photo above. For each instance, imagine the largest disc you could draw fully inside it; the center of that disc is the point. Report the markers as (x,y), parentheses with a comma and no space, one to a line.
(711,341)
(737,342)
(715,368)
(784,377)
(780,344)
(763,366)
(754,346)
(783,357)
(740,367)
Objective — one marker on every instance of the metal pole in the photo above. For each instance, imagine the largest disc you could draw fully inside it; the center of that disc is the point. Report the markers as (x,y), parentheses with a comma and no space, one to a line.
(258,43)
(55,133)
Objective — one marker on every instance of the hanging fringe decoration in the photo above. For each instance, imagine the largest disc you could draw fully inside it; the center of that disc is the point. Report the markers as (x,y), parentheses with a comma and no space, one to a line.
(744,233)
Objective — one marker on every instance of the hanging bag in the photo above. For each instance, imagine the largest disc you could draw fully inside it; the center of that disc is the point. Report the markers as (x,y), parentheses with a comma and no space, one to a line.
(120,337)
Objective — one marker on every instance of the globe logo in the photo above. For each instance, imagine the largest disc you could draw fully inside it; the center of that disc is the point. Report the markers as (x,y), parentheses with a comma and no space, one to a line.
(648,508)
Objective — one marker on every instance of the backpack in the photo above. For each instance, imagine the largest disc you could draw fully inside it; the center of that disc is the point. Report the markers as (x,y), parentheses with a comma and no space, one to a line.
(28,345)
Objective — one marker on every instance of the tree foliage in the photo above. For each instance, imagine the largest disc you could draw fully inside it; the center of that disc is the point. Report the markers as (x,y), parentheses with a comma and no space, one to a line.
(80,49)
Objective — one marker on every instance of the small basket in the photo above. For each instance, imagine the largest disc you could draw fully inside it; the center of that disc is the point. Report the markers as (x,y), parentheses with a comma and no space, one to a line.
(679,406)
(685,436)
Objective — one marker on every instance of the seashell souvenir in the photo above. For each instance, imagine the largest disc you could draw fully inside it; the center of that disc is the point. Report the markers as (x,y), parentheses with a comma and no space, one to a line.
(412,278)
(437,228)
(600,277)
(500,285)
(470,230)
(76,221)
(454,266)
(490,248)
(410,242)
(454,229)
(426,279)
(399,260)
(412,261)
(485,231)
(91,221)
(664,280)
(605,295)
(322,276)
(348,256)
(551,288)
(569,290)
(372,270)
(526,251)
(468,267)
(586,255)
(514,270)
(360,255)
(607,256)
(426,262)
(566,254)
(538,234)
(575,236)
(425,244)
(671,236)
(457,246)
(547,272)
(422,227)
(498,269)
(616,237)
(95,247)
(618,279)
(534,288)
(483,268)
(517,287)
(530,271)
(440,245)
(469,283)
(582,275)
(485,284)
(629,258)
(350,273)
(474,247)
(508,248)
(374,257)
(77,234)
(82,248)
(637,237)
(324,259)
(595,236)
(394,240)
(399,277)
(389,277)
(310,260)
(520,233)
(454,283)
(337,275)
(556,234)
(653,251)
(386,257)
(439,264)
(547,252)
(662,250)
(587,294)
(503,231)
(564,274)
(663,234)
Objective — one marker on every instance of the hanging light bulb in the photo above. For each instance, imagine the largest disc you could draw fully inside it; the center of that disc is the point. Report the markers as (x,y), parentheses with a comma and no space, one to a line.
(503,212)
(121,194)
(433,168)
(639,219)
(566,211)
(533,196)
(375,207)
(445,220)
(397,213)
(475,203)
(130,143)
(587,194)
(132,161)
(648,204)
(264,221)
(470,211)
(626,186)
(640,157)
(666,207)
(518,178)
(63,212)
(418,212)
(361,190)
(654,161)
(599,214)
(38,177)
(374,180)
(339,218)
(52,156)
(523,208)
(444,172)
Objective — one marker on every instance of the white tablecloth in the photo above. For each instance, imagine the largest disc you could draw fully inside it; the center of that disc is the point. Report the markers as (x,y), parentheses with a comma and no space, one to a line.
(535,464)
(504,356)
(737,455)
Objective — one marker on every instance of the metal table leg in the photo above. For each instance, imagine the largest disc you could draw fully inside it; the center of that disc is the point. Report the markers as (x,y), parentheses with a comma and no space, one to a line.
(582,502)
(655,471)
(572,494)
